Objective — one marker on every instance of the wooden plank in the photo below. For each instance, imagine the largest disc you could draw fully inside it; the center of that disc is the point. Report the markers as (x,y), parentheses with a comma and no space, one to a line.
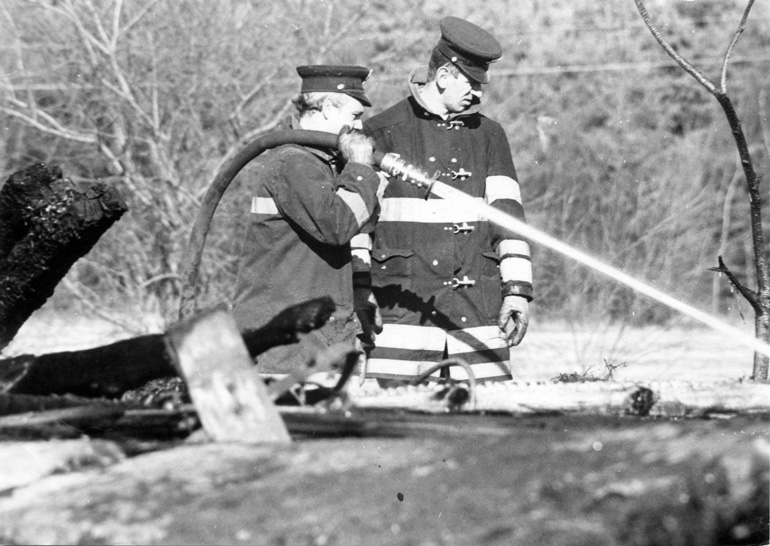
(233,403)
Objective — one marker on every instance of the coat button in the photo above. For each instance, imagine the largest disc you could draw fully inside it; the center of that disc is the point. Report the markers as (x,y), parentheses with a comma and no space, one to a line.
(435,262)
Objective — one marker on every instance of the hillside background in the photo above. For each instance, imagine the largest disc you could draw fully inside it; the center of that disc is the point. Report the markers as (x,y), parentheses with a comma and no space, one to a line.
(618,151)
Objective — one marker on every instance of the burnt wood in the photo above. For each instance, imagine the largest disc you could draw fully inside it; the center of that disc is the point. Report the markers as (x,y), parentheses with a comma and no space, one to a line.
(111,370)
(46,224)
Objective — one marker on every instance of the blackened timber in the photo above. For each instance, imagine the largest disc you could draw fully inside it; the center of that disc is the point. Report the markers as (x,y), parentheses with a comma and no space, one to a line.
(47,223)
(284,327)
(111,370)
(11,404)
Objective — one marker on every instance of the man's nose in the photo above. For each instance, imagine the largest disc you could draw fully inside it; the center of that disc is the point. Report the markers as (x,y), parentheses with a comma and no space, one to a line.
(477,91)
(358,125)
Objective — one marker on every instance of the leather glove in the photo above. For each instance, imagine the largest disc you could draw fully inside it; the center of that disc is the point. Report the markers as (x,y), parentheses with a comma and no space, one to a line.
(355,146)
(514,319)
(368,313)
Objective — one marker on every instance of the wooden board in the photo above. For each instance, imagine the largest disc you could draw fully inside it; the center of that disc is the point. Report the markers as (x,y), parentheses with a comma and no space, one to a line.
(231,399)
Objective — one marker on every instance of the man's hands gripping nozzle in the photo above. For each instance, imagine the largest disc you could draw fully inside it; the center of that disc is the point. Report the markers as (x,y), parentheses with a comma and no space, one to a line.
(355,146)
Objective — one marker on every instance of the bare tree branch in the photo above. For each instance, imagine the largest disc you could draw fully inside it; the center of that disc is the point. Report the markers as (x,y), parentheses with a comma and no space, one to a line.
(129,98)
(695,73)
(53,129)
(105,40)
(88,40)
(759,300)
(741,28)
(246,99)
(88,300)
(764,104)
(19,54)
(154,86)
(138,17)
(116,24)
(328,20)
(335,40)
(749,295)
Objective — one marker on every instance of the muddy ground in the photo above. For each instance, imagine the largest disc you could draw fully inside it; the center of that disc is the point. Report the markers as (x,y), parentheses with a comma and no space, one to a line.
(452,480)
(443,480)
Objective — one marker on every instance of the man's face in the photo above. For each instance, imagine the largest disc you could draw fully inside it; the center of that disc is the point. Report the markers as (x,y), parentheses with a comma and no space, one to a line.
(347,111)
(459,92)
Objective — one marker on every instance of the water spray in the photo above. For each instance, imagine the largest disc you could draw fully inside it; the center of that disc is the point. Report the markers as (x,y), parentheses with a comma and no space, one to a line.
(397,167)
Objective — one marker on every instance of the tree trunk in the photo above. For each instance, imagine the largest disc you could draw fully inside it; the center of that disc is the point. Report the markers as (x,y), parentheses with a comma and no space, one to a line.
(760,300)
(46,225)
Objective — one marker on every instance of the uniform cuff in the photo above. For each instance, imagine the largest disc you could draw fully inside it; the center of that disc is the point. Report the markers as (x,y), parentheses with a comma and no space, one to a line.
(362,279)
(517,288)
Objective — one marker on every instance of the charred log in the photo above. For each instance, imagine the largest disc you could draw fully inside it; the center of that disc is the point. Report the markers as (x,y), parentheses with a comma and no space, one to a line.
(283,329)
(46,225)
(107,371)
(11,404)
(111,370)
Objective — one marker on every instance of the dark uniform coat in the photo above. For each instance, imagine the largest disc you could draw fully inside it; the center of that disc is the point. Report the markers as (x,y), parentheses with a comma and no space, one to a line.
(304,213)
(438,270)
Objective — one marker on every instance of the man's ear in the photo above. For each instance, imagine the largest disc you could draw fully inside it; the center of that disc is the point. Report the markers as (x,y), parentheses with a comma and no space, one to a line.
(328,109)
(442,74)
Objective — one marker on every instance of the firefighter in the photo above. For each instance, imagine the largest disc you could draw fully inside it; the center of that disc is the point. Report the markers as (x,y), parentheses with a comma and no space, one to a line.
(306,204)
(448,283)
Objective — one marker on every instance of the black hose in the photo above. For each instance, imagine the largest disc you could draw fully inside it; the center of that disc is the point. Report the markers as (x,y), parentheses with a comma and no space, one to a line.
(445,364)
(191,260)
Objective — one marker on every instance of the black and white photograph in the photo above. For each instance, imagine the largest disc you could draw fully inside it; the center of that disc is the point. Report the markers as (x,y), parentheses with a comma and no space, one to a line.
(385,272)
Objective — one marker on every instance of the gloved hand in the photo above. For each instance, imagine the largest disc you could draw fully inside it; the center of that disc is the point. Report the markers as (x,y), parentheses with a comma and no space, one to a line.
(514,319)
(368,313)
(355,146)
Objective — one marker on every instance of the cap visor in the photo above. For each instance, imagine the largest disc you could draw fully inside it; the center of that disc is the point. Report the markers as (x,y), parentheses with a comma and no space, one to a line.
(476,74)
(360,96)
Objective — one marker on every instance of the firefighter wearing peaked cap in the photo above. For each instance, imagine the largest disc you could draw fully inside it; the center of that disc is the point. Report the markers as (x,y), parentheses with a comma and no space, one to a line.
(304,207)
(449,284)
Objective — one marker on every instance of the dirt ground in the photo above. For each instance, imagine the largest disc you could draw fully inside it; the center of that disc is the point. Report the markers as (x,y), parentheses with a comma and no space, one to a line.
(486,480)
(452,480)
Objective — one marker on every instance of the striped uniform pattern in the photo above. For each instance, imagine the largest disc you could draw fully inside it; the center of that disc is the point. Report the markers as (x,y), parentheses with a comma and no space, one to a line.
(438,270)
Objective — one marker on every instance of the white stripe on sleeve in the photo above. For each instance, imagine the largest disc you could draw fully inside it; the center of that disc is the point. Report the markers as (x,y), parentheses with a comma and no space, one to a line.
(356,204)
(502,187)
